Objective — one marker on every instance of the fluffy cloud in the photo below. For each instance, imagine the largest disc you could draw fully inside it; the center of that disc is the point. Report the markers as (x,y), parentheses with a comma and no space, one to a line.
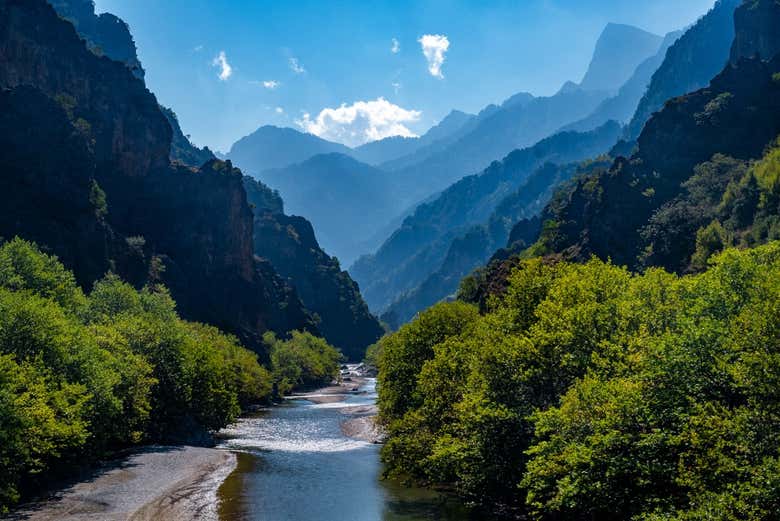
(434,47)
(361,122)
(279,110)
(396,47)
(270,84)
(296,66)
(225,70)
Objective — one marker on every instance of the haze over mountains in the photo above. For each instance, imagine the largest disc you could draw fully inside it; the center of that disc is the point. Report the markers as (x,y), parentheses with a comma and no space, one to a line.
(362,191)
(571,300)
(425,211)
(338,194)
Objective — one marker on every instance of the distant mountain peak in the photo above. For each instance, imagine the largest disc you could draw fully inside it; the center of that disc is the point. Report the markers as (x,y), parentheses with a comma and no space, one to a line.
(568,88)
(619,51)
(519,99)
(275,147)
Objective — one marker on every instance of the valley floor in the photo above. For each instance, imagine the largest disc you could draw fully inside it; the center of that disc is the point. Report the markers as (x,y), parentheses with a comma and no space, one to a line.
(153,483)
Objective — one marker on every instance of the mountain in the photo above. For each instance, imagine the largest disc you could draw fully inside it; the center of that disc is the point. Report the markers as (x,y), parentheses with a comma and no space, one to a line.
(329,293)
(275,147)
(105,195)
(690,63)
(456,125)
(702,177)
(419,246)
(523,121)
(289,244)
(494,135)
(386,149)
(390,149)
(623,105)
(105,34)
(472,248)
(345,200)
(619,51)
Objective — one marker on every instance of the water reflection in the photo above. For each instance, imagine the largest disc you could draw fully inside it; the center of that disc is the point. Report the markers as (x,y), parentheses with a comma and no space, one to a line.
(295,464)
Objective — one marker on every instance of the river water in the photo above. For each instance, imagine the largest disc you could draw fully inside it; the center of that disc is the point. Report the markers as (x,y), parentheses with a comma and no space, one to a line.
(295,464)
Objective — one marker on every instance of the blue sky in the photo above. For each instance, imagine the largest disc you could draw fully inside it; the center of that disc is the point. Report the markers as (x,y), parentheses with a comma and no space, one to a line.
(322,54)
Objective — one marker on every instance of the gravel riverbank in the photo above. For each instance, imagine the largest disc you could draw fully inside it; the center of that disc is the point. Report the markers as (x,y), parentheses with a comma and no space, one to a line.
(154,483)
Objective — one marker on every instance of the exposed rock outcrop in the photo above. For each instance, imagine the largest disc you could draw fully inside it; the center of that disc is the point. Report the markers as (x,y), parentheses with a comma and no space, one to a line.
(757,25)
(198,222)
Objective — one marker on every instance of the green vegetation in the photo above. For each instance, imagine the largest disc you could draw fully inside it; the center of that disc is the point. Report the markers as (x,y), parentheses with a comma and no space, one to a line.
(83,375)
(586,392)
(302,362)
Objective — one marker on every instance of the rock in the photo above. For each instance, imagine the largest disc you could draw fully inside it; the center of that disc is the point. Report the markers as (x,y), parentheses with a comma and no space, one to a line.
(197,222)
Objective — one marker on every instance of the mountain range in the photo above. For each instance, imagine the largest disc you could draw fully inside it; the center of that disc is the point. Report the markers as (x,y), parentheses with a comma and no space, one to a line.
(703,174)
(424,259)
(418,248)
(121,189)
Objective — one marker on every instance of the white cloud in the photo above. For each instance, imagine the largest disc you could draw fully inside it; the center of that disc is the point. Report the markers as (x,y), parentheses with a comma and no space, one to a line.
(279,110)
(396,86)
(198,48)
(271,84)
(296,66)
(225,70)
(396,48)
(434,46)
(361,122)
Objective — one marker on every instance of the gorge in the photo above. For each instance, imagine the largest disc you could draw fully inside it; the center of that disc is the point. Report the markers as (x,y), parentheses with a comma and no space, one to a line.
(559,306)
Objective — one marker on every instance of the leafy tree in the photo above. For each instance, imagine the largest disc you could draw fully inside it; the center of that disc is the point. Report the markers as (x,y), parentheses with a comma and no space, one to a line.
(301,362)
(84,375)
(584,392)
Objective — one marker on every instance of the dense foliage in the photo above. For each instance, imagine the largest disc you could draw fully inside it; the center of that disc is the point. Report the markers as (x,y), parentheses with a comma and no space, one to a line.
(303,361)
(586,392)
(81,375)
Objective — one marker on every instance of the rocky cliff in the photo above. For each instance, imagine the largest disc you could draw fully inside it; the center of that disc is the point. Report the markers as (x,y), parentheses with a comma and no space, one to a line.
(105,34)
(197,222)
(690,63)
(757,25)
(290,245)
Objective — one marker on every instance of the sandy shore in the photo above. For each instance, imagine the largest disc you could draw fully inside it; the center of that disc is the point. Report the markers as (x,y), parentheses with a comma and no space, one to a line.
(154,483)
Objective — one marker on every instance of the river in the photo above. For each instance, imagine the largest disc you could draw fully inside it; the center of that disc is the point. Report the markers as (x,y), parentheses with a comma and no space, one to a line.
(296,464)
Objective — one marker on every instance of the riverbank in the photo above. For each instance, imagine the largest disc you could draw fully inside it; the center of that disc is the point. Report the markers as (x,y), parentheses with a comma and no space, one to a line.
(179,482)
(153,483)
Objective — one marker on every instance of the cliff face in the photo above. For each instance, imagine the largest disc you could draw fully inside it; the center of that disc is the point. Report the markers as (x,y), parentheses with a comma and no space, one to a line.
(289,244)
(131,136)
(105,34)
(757,25)
(197,221)
(690,62)
(46,197)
